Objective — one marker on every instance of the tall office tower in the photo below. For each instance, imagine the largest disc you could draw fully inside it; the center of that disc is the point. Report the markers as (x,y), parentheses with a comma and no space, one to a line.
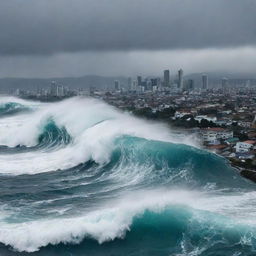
(117,85)
(180,82)
(134,85)
(144,85)
(149,86)
(17,92)
(139,80)
(166,78)
(224,83)
(129,83)
(204,82)
(53,88)
(159,82)
(60,91)
(248,84)
(191,85)
(154,81)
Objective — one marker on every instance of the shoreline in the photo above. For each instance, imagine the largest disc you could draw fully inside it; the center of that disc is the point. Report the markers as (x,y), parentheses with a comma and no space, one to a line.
(244,172)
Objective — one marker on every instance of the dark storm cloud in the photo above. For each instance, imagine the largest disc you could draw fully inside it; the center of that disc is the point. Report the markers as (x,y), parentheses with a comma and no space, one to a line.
(53,26)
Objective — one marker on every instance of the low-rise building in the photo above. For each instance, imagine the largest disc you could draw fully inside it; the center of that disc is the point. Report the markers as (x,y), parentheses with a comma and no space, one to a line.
(245,155)
(206,117)
(211,135)
(231,141)
(245,146)
(180,114)
(245,124)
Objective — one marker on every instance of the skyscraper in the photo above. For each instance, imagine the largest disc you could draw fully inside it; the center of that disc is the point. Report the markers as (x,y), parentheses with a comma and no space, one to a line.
(180,81)
(166,78)
(224,83)
(60,91)
(204,82)
(134,85)
(53,89)
(117,85)
(191,85)
(154,81)
(139,80)
(129,83)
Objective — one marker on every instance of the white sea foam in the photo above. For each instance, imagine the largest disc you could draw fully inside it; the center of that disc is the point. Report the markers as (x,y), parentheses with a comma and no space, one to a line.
(93,126)
(114,219)
(8,99)
(103,225)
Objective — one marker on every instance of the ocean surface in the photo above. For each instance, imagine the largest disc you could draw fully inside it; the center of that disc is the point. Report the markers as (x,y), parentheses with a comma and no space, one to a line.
(79,177)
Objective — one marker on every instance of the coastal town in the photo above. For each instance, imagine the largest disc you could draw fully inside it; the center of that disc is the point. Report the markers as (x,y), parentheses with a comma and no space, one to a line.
(222,117)
(224,122)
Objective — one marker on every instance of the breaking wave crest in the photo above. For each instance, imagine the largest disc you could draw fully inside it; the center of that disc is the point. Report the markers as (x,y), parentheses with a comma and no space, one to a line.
(92,125)
(166,223)
(52,135)
(12,108)
(80,177)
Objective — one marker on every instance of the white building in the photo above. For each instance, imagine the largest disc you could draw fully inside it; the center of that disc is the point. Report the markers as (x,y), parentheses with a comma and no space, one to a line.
(208,118)
(180,114)
(245,146)
(211,135)
(245,124)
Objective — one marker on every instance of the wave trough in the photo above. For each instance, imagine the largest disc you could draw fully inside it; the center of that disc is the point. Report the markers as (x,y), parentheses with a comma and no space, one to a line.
(79,177)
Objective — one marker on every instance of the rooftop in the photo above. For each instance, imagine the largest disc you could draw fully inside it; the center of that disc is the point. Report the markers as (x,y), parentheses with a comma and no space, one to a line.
(249,141)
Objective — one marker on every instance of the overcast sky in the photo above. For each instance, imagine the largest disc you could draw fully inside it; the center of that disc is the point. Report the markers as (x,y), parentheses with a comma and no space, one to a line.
(46,38)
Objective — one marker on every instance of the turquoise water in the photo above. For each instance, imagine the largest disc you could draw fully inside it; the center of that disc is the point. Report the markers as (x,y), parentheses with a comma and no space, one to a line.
(11,108)
(148,196)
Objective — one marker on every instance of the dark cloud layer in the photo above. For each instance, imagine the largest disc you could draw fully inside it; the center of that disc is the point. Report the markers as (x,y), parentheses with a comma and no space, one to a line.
(53,26)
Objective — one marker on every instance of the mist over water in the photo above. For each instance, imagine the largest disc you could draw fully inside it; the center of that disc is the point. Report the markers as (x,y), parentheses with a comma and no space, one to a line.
(79,177)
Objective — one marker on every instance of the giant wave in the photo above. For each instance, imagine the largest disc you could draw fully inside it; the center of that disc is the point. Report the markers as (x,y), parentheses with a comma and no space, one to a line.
(79,177)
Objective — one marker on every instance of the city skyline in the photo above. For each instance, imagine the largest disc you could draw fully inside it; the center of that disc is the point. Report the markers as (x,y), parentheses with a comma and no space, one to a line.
(166,84)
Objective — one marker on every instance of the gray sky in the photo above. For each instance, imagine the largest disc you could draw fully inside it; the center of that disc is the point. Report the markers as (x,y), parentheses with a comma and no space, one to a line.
(42,38)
